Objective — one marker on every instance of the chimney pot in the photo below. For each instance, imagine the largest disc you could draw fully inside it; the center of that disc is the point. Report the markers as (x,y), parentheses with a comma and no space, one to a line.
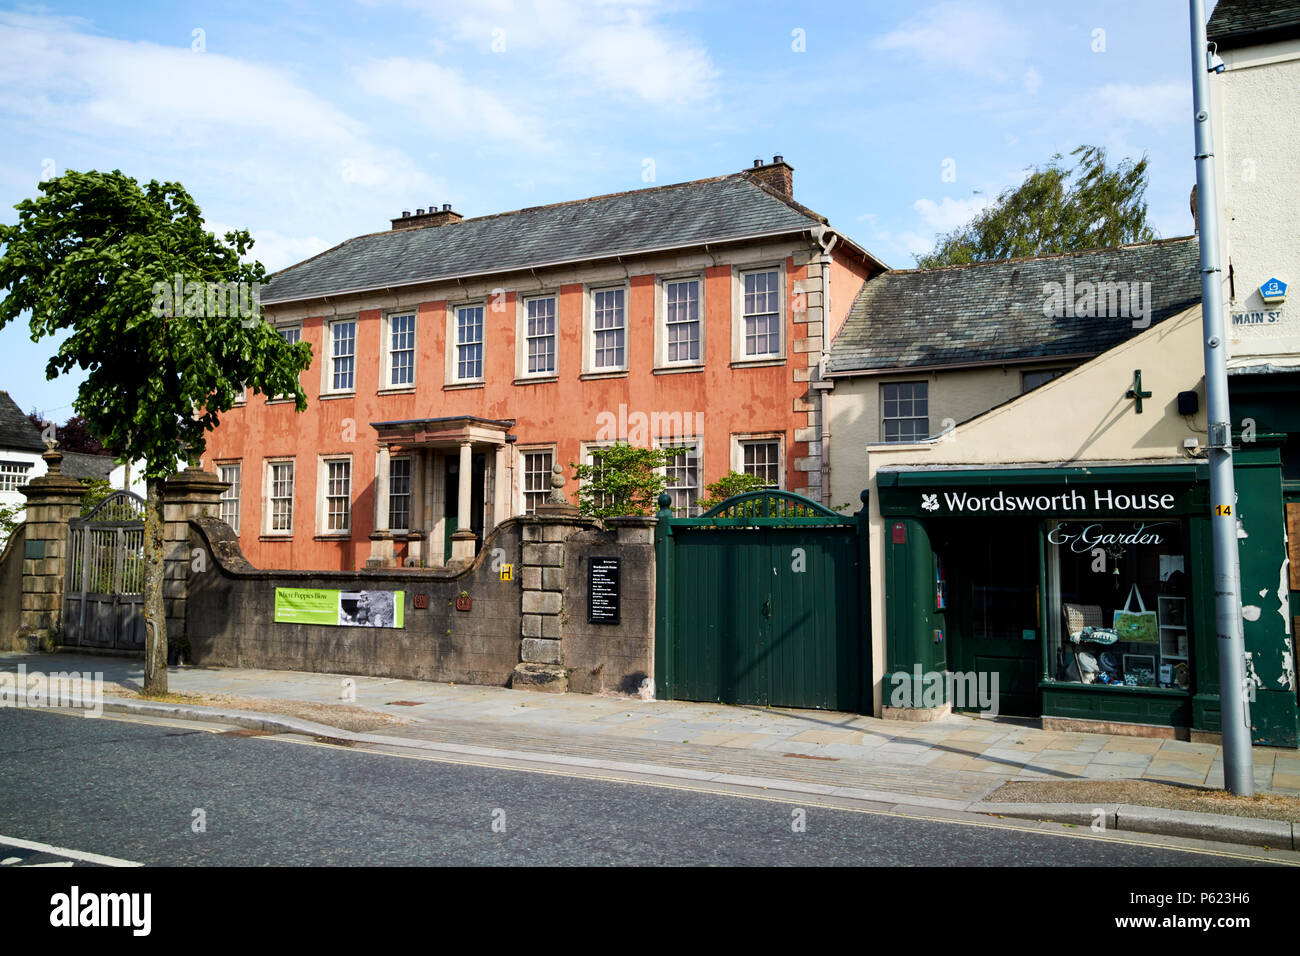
(446,207)
(406,214)
(778,158)
(757,163)
(419,212)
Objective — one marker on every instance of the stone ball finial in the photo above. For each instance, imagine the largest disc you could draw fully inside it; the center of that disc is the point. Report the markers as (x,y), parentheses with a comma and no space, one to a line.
(557,476)
(557,497)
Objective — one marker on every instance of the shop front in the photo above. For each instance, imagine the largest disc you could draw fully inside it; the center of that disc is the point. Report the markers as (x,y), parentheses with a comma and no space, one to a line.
(1080,592)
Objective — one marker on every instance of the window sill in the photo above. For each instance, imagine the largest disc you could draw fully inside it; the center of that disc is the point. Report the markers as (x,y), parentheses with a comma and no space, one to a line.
(596,376)
(397,390)
(1115,688)
(333,536)
(330,396)
(678,369)
(277,536)
(536,379)
(757,362)
(280,401)
(460,386)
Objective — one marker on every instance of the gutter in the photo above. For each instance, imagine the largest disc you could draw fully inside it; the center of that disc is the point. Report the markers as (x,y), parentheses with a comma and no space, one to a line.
(985,363)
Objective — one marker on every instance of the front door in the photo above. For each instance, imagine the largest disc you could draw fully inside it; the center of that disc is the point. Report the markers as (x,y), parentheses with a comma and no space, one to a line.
(992,574)
(451,482)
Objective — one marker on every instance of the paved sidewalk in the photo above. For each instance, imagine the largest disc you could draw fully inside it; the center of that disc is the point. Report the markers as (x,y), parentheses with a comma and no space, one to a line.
(948,763)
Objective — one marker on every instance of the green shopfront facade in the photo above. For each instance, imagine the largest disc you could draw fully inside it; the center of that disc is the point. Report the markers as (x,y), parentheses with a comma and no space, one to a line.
(990,570)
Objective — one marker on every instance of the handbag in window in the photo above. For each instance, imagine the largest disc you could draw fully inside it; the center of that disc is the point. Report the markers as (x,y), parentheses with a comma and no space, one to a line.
(1138,626)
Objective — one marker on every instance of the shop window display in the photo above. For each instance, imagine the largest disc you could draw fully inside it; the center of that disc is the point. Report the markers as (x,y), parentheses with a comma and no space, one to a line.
(1118,611)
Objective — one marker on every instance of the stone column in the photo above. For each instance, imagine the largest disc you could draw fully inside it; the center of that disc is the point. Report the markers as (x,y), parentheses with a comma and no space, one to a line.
(52,500)
(381,539)
(503,485)
(416,523)
(193,493)
(462,541)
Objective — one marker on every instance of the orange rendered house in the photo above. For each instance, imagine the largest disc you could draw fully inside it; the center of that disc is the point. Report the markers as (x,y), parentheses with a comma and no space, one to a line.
(456,360)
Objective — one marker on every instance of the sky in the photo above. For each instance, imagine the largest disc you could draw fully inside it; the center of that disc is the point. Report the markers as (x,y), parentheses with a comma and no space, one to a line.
(308,123)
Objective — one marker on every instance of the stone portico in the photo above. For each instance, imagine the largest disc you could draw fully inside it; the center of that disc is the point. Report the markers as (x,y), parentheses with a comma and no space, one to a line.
(456,487)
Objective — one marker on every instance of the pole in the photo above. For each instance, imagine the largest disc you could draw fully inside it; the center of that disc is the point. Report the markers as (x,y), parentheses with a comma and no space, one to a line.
(1234,714)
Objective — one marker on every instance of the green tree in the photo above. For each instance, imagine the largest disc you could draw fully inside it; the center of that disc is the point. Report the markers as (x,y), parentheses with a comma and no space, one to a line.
(622,480)
(96,255)
(1056,209)
(731,484)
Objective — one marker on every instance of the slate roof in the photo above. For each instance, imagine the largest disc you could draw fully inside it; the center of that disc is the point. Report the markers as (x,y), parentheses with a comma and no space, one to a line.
(705,211)
(1238,23)
(993,311)
(17,432)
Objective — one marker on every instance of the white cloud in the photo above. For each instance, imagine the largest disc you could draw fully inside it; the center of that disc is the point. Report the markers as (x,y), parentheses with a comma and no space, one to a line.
(1151,103)
(948,214)
(600,46)
(973,36)
(274,250)
(56,75)
(444,101)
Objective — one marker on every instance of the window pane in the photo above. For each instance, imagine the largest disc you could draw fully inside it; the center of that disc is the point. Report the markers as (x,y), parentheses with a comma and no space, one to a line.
(282,496)
(537,479)
(399,494)
(905,411)
(541,335)
(683,320)
(229,513)
(762,313)
(338,495)
(402,349)
(344,354)
(608,324)
(469,343)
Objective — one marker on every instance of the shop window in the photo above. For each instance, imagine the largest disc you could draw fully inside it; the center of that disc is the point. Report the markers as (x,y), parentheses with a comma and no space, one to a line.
(1119,603)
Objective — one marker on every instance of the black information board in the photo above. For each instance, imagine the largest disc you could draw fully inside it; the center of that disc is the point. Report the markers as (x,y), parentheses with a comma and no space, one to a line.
(603,591)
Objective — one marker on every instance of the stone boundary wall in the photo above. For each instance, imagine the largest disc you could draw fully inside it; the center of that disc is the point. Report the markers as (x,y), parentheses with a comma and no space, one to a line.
(230,616)
(528,630)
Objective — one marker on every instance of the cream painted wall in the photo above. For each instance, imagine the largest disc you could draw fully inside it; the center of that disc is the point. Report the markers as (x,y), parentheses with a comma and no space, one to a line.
(1082,416)
(956,395)
(1256,110)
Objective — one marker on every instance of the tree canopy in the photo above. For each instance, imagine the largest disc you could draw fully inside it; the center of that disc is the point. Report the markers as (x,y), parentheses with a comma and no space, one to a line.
(1056,209)
(158,309)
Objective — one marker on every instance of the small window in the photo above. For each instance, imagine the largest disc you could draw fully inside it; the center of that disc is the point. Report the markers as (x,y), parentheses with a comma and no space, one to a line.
(540,336)
(280,497)
(762,458)
(682,320)
(609,329)
(537,478)
(761,309)
(399,494)
(343,355)
(13,474)
(231,475)
(594,459)
(401,350)
(905,411)
(469,343)
(683,475)
(1031,380)
(338,495)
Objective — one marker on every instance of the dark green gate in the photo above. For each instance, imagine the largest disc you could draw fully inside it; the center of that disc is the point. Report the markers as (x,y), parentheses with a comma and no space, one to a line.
(762,600)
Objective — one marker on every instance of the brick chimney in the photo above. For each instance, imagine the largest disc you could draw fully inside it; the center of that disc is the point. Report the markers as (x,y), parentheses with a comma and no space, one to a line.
(434,217)
(778,175)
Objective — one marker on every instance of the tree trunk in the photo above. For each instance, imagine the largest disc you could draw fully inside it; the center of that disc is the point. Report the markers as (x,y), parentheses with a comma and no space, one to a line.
(155,611)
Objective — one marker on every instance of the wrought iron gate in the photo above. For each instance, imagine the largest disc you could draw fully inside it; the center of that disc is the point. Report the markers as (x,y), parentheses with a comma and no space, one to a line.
(103,604)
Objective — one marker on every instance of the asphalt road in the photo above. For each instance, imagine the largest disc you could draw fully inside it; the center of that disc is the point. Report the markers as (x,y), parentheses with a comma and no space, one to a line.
(138,791)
